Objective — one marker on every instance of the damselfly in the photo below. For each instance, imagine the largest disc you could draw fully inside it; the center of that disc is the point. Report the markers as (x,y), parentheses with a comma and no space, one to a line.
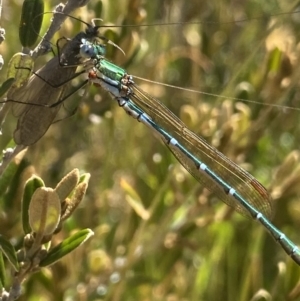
(232,184)
(188,236)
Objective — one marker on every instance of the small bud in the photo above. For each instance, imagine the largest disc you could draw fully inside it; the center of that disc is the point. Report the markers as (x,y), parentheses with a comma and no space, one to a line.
(67,184)
(76,199)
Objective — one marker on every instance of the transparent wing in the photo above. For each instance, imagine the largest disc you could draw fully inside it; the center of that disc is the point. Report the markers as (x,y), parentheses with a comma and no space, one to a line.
(41,90)
(245,184)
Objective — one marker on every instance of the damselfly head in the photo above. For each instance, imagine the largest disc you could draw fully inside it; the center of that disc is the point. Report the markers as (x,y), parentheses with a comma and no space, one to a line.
(89,50)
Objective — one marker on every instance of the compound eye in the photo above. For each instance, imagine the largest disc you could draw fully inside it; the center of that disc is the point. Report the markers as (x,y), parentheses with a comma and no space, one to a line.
(87,51)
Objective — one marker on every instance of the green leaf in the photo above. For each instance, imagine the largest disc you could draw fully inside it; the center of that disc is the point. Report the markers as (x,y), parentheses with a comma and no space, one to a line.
(67,184)
(17,180)
(6,85)
(31,21)
(98,8)
(2,272)
(19,67)
(30,187)
(9,252)
(85,178)
(7,176)
(275,60)
(44,211)
(66,246)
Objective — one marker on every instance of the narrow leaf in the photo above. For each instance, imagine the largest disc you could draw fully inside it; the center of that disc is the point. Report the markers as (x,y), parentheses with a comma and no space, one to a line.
(66,246)
(5,86)
(31,21)
(30,187)
(9,252)
(2,273)
(7,176)
(12,193)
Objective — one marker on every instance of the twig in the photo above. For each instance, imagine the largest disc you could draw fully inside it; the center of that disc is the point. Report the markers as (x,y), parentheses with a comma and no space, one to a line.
(61,12)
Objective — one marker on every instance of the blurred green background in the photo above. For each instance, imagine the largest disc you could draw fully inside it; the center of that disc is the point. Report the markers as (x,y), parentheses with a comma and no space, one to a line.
(160,235)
